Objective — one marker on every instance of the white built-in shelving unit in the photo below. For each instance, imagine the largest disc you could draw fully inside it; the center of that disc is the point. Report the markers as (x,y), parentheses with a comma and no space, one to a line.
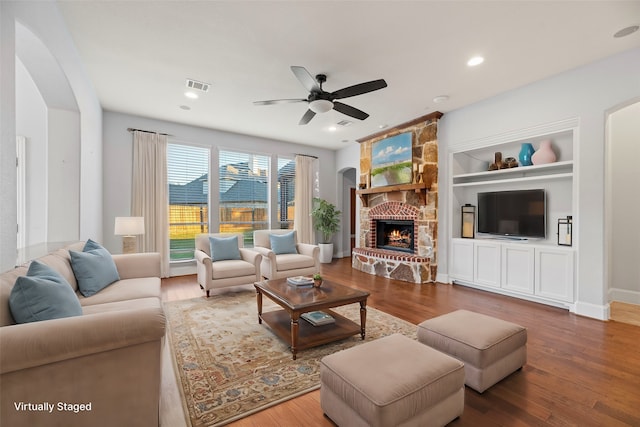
(538,270)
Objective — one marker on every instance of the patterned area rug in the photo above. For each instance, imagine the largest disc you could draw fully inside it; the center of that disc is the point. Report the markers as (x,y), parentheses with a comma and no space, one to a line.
(230,366)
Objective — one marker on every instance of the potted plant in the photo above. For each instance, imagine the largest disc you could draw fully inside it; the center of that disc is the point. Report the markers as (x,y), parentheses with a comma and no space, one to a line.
(317,280)
(326,220)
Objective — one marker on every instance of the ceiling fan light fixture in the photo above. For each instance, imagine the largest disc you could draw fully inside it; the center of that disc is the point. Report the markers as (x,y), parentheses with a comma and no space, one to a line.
(320,106)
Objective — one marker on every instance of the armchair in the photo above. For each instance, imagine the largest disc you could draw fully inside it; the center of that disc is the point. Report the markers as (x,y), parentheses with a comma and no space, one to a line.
(276,266)
(229,272)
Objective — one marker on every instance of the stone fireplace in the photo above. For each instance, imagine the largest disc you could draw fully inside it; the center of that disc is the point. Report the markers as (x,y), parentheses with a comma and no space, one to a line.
(398,223)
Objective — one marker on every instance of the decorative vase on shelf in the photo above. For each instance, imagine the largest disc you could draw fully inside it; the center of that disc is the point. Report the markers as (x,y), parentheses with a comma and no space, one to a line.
(544,154)
(526,151)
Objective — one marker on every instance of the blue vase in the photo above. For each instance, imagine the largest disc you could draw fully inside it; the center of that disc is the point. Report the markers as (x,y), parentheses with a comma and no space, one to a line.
(526,151)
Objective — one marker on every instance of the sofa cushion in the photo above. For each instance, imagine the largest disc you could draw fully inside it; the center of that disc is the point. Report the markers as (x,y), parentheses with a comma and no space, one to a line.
(123,290)
(94,268)
(224,248)
(283,243)
(43,294)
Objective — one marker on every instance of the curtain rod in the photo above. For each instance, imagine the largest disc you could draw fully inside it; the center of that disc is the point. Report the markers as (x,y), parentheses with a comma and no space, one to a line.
(147,131)
(306,155)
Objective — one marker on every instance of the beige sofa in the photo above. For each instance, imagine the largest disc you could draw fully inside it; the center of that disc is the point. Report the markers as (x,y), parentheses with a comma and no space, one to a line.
(107,359)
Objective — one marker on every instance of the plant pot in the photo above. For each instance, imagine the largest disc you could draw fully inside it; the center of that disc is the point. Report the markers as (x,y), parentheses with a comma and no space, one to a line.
(326,252)
(317,283)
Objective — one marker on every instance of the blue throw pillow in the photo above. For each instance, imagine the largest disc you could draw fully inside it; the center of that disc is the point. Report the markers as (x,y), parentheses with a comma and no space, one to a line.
(283,243)
(224,248)
(94,268)
(43,294)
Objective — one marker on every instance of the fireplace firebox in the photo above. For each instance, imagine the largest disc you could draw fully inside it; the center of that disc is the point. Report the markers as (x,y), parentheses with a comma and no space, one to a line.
(396,235)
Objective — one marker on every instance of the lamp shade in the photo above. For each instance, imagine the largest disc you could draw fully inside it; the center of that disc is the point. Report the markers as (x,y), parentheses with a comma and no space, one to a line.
(129,225)
(320,105)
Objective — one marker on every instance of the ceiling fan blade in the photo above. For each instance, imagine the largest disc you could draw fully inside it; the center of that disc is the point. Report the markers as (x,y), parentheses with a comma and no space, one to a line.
(278,101)
(307,117)
(349,110)
(359,89)
(307,80)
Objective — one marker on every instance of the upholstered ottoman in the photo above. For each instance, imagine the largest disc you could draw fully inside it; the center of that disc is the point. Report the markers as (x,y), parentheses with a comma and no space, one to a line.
(490,348)
(392,381)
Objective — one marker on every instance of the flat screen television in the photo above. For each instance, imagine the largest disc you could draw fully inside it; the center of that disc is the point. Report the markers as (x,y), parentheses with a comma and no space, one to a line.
(518,214)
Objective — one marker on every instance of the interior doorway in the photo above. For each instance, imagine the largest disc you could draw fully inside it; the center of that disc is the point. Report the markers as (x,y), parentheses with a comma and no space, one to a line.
(349,213)
(622,206)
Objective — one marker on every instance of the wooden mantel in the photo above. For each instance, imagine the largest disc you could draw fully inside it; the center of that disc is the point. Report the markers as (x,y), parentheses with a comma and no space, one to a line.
(364,193)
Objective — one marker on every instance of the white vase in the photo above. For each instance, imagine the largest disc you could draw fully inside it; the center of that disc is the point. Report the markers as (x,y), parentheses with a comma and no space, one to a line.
(544,154)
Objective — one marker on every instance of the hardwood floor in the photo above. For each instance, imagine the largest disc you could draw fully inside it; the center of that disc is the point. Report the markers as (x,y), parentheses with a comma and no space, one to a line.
(580,371)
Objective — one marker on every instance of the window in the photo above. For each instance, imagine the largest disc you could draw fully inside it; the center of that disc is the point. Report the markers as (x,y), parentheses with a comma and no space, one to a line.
(244,193)
(188,176)
(286,192)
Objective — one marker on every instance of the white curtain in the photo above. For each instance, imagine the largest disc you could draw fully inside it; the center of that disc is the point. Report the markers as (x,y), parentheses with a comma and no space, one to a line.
(149,194)
(303,198)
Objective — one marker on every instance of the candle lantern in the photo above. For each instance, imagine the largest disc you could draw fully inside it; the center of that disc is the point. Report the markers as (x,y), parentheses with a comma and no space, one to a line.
(565,231)
(468,221)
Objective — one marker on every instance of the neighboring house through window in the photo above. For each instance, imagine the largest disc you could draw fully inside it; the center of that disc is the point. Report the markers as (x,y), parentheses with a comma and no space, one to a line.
(188,177)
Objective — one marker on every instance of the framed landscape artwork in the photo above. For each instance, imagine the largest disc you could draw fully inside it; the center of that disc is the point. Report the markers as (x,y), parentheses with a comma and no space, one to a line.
(391,160)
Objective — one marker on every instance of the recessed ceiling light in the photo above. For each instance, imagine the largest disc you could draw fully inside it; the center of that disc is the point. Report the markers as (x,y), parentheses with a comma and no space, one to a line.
(345,140)
(440,98)
(332,128)
(191,95)
(626,31)
(476,60)
(185,107)
(382,126)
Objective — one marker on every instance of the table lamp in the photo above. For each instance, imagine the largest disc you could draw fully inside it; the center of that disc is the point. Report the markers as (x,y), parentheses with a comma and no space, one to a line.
(129,227)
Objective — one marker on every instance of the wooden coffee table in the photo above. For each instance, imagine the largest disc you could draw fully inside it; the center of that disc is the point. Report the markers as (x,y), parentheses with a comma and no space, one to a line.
(300,334)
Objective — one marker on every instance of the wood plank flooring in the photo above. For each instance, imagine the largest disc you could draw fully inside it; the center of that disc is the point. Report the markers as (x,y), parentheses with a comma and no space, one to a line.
(580,371)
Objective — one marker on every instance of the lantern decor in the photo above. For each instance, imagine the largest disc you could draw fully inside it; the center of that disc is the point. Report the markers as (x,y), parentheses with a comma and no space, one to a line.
(468,221)
(565,231)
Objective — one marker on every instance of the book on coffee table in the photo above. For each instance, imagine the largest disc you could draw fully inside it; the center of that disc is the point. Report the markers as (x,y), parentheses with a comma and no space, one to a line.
(318,318)
(300,281)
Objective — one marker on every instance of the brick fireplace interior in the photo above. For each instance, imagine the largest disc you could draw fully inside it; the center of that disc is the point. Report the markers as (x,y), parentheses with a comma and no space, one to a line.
(405,247)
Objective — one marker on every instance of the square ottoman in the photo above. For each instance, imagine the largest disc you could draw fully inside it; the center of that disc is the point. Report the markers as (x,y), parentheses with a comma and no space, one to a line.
(490,348)
(391,381)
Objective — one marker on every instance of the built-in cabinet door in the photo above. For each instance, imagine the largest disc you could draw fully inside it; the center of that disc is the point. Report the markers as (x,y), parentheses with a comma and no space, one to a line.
(486,268)
(554,273)
(462,259)
(518,268)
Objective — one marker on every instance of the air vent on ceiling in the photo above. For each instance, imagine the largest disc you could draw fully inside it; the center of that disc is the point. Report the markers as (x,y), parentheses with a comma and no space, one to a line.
(197,85)
(345,123)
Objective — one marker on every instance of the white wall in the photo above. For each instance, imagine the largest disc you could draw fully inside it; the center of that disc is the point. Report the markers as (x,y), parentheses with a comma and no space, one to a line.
(348,158)
(31,122)
(63,176)
(46,23)
(8,213)
(118,160)
(586,93)
(624,175)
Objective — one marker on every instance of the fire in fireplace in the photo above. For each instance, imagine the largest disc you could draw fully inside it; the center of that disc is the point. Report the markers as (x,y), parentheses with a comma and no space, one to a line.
(395,235)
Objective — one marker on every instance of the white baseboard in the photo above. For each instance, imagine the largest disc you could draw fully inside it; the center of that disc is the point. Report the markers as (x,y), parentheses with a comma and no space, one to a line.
(442,278)
(624,295)
(600,312)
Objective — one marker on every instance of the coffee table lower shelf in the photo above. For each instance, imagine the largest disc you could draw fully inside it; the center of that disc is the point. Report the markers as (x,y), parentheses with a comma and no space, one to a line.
(308,335)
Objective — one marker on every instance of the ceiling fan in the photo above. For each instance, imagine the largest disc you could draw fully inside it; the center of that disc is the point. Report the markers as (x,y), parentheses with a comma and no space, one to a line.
(321,101)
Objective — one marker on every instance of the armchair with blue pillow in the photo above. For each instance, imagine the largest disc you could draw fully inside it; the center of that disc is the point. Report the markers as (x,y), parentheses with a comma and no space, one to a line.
(222,261)
(283,256)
